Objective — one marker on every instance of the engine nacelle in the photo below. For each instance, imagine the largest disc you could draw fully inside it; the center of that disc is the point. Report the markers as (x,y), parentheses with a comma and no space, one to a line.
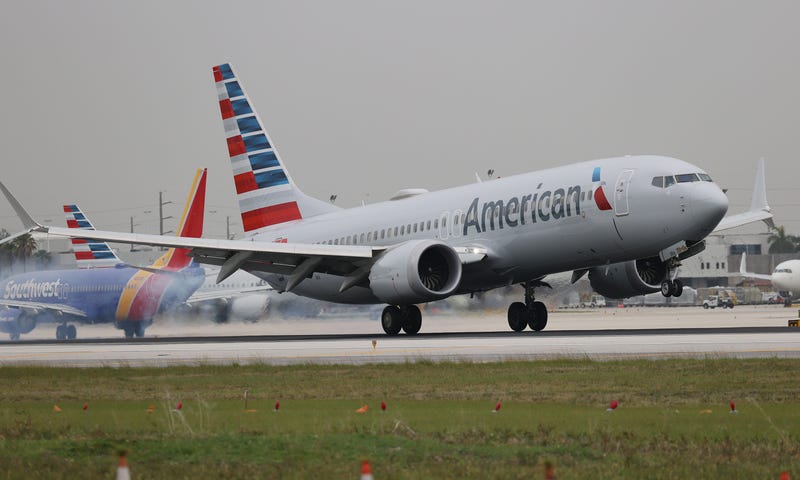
(249,307)
(416,271)
(628,279)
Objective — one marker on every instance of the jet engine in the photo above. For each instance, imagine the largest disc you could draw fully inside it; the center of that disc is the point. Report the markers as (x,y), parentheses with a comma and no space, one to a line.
(249,307)
(416,271)
(628,279)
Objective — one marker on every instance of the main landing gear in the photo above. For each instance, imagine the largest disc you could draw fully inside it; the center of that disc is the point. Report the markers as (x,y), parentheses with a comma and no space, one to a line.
(66,332)
(529,314)
(404,317)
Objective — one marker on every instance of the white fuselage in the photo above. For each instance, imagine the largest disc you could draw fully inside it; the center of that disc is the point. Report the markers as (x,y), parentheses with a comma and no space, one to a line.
(786,277)
(531,225)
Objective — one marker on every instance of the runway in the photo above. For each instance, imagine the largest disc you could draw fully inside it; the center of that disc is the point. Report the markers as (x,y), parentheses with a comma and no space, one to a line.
(618,334)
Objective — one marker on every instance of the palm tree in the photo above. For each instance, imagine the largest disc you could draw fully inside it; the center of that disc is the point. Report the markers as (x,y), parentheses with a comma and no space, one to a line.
(42,258)
(780,242)
(23,247)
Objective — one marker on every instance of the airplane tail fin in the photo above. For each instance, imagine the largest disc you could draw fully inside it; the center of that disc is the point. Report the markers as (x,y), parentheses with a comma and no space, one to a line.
(191,225)
(265,190)
(88,253)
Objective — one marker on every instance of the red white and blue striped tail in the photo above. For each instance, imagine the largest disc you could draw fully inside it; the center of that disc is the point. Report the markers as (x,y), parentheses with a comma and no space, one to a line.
(88,253)
(265,190)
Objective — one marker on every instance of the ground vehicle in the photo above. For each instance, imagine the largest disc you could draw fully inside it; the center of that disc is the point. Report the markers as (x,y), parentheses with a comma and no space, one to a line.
(594,301)
(714,301)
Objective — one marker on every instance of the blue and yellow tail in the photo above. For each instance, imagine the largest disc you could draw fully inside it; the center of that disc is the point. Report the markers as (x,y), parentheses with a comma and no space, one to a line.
(265,190)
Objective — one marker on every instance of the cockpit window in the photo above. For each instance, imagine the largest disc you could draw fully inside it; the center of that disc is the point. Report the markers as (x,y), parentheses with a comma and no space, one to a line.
(658,182)
(669,181)
(705,177)
(783,270)
(687,177)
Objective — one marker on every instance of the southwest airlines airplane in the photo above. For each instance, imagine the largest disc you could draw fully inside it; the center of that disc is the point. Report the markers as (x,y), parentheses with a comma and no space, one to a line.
(627,222)
(110,290)
(241,296)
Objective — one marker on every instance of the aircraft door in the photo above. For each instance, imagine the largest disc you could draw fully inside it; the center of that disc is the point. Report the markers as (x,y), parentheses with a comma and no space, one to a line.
(443,220)
(621,207)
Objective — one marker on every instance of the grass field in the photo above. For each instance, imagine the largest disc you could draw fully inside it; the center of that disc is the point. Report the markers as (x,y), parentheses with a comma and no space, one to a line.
(672,422)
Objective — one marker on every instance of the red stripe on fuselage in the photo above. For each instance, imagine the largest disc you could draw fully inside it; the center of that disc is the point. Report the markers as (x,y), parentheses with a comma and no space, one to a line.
(266,216)
(148,298)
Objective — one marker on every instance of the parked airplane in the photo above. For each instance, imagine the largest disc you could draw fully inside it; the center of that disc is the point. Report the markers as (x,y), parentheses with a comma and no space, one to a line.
(785,278)
(241,295)
(128,296)
(627,221)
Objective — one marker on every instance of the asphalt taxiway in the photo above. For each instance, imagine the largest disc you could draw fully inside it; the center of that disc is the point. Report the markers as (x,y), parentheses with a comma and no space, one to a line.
(480,337)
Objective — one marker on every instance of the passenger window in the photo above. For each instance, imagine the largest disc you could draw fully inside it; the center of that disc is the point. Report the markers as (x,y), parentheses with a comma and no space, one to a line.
(669,181)
(658,182)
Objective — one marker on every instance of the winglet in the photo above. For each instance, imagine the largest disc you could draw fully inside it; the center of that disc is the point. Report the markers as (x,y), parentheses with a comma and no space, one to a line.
(759,207)
(27,221)
(759,201)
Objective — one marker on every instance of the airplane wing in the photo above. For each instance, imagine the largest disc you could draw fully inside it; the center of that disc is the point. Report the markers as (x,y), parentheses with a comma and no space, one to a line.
(759,208)
(36,307)
(743,270)
(198,297)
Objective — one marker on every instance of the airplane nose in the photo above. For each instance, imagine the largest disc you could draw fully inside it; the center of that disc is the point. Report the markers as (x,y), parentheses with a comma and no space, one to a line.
(710,206)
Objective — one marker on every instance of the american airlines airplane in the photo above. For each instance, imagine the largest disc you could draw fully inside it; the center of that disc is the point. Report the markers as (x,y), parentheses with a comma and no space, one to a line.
(108,291)
(785,278)
(627,222)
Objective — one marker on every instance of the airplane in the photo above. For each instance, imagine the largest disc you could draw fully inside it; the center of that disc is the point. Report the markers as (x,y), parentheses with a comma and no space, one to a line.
(627,222)
(785,278)
(241,296)
(129,296)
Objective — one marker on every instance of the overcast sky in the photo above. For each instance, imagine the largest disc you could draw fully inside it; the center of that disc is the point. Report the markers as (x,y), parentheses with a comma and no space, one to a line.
(107,103)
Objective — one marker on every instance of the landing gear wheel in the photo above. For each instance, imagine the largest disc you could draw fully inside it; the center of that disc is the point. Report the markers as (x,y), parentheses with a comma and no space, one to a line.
(391,320)
(412,319)
(61,332)
(138,329)
(14,337)
(71,332)
(128,331)
(517,316)
(537,319)
(678,288)
(668,288)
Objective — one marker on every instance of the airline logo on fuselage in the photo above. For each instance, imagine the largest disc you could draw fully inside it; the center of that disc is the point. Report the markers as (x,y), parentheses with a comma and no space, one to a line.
(534,207)
(32,289)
